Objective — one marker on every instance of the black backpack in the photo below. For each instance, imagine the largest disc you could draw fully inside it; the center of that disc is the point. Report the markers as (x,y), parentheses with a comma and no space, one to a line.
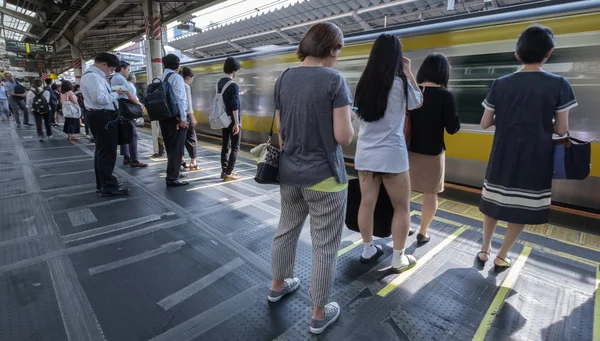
(160,100)
(19,89)
(40,106)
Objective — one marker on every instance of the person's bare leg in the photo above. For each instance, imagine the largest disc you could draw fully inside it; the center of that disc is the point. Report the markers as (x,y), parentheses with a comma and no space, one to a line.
(398,189)
(489,227)
(428,210)
(513,231)
(369,191)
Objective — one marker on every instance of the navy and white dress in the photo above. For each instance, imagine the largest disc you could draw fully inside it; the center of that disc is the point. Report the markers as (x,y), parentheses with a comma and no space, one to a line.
(518,181)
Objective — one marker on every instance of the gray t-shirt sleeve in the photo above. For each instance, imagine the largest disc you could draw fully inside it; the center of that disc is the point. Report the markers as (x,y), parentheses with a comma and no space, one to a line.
(340,91)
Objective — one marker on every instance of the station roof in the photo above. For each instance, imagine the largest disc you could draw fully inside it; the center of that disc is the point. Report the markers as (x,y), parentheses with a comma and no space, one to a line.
(91,25)
(286,24)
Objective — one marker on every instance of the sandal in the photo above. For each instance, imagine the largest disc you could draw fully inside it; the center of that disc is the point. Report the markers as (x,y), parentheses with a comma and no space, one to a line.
(195,167)
(185,165)
(377,254)
(412,262)
(500,268)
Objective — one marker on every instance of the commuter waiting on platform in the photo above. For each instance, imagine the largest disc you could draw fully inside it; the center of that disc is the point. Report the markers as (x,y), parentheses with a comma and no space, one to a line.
(426,151)
(16,99)
(101,113)
(4,110)
(526,108)
(72,125)
(174,130)
(38,103)
(57,112)
(384,92)
(232,134)
(53,101)
(81,101)
(191,140)
(313,114)
(129,151)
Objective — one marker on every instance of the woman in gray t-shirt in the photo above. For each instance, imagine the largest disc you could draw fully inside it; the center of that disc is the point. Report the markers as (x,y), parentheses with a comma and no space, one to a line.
(314,119)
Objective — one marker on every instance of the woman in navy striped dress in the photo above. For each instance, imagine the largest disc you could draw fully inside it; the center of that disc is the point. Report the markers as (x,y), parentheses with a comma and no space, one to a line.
(526,108)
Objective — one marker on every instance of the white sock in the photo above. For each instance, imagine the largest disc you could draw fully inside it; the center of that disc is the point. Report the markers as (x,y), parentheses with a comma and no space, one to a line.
(399,260)
(369,250)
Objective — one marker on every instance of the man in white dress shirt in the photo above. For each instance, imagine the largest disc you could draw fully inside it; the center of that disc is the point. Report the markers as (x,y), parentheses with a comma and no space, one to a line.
(101,114)
(174,130)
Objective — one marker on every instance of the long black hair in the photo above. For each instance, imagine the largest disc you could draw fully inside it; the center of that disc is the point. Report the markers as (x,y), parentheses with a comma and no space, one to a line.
(384,64)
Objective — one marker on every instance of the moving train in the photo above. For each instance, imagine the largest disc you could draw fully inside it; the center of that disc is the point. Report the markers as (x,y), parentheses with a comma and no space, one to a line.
(480,49)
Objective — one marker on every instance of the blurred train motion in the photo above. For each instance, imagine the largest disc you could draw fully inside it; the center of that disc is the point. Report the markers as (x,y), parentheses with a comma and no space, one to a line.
(479,49)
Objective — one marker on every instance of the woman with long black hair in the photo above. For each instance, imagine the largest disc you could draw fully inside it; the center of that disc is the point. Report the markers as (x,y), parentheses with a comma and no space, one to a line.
(384,92)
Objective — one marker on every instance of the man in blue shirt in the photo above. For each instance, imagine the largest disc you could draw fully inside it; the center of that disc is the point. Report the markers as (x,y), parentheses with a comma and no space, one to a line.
(16,101)
(129,151)
(174,130)
(3,103)
(101,113)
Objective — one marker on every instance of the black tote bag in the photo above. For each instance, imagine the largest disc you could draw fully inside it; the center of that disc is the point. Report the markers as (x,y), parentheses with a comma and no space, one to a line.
(384,211)
(125,129)
(130,110)
(572,158)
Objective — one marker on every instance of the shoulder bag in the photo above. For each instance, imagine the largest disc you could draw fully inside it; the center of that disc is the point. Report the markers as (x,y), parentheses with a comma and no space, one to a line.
(384,211)
(572,158)
(268,155)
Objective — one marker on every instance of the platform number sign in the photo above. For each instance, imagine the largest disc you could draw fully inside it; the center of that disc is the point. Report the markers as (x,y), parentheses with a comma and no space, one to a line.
(23,47)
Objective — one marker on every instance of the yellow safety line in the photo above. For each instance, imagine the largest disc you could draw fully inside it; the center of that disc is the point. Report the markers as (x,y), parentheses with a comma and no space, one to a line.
(509,282)
(421,262)
(596,331)
(349,247)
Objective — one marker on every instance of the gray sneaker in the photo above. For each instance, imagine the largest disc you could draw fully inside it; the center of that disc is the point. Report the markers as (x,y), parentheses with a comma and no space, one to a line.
(332,312)
(290,285)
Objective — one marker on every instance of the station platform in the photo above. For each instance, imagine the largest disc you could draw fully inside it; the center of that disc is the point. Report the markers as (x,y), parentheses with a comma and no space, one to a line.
(193,263)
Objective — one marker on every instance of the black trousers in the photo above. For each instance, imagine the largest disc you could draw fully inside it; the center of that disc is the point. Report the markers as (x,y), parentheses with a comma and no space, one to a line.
(52,114)
(191,143)
(38,124)
(175,145)
(106,135)
(230,142)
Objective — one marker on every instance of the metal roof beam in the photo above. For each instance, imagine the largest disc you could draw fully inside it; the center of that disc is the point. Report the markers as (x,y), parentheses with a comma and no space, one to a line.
(236,46)
(131,30)
(30,35)
(286,37)
(103,10)
(361,21)
(21,16)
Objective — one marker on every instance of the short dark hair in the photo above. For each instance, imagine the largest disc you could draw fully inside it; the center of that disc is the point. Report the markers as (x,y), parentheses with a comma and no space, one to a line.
(171,61)
(122,65)
(231,64)
(37,83)
(65,86)
(534,44)
(436,69)
(48,81)
(76,87)
(187,72)
(319,40)
(108,58)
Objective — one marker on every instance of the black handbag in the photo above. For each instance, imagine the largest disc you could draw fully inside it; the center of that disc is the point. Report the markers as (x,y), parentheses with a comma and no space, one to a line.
(125,129)
(384,211)
(267,171)
(130,110)
(572,158)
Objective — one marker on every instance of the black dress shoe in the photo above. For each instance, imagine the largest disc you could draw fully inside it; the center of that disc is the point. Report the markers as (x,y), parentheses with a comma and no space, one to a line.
(120,184)
(177,183)
(114,192)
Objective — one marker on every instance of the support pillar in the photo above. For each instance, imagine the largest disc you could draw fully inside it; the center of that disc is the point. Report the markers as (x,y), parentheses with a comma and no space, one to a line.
(77,63)
(154,65)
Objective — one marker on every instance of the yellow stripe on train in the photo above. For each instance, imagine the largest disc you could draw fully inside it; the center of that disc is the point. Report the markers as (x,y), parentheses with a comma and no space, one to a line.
(463,145)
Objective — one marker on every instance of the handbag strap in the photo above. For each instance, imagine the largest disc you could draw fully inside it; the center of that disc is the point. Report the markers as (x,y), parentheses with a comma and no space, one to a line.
(275,110)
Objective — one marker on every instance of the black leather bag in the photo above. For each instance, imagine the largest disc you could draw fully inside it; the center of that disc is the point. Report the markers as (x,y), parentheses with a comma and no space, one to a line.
(130,110)
(384,211)
(125,129)
(267,171)
(572,158)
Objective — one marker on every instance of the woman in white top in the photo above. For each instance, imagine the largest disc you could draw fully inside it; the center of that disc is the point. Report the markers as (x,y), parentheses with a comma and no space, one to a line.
(384,91)
(191,139)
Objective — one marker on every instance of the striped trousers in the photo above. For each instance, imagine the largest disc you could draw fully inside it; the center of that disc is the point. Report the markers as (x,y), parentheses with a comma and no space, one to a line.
(327,212)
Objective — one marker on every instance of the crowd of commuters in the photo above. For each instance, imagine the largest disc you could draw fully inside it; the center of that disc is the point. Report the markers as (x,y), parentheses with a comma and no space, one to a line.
(315,109)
